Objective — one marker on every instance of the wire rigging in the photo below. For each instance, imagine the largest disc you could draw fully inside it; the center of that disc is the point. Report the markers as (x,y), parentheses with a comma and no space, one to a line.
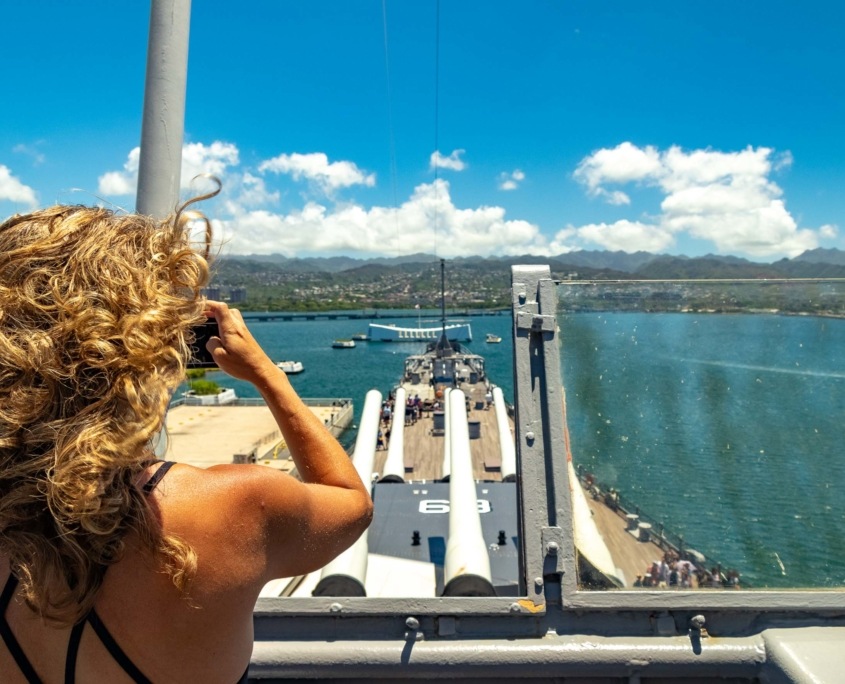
(391,133)
(436,120)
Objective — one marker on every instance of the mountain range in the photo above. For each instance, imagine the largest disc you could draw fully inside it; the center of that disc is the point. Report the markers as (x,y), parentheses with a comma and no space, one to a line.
(590,264)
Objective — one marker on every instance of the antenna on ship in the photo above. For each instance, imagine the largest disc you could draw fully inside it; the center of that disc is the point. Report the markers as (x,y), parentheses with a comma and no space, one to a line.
(443,346)
(443,296)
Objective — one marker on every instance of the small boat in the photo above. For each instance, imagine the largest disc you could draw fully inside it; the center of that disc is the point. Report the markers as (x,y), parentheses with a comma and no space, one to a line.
(223,396)
(492,339)
(343,344)
(360,336)
(291,367)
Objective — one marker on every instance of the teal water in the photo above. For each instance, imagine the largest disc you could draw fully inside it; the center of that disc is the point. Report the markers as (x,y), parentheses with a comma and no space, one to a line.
(378,365)
(729,428)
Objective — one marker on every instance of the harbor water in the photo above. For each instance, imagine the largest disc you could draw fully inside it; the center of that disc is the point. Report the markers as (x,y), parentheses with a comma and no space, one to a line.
(729,428)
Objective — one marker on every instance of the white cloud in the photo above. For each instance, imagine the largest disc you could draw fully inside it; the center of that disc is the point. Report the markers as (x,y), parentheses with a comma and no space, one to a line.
(563,241)
(121,182)
(215,159)
(197,158)
(616,197)
(680,170)
(403,230)
(627,236)
(31,151)
(253,191)
(12,190)
(622,164)
(511,181)
(828,231)
(452,162)
(724,197)
(247,220)
(315,167)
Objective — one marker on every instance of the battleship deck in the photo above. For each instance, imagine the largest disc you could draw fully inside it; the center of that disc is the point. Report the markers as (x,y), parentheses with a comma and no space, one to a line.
(424,449)
(631,555)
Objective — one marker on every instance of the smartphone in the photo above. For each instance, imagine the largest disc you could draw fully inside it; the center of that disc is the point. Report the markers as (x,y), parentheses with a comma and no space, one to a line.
(200,356)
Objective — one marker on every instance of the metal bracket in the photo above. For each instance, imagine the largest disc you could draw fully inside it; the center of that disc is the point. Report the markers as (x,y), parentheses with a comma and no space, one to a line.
(535,322)
(553,542)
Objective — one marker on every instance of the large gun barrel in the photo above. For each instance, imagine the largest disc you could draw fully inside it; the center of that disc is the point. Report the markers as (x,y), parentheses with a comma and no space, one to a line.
(467,566)
(446,468)
(346,575)
(506,445)
(394,466)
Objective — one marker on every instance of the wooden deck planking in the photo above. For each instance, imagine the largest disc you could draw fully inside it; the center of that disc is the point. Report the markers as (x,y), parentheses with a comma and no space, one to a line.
(426,450)
(631,556)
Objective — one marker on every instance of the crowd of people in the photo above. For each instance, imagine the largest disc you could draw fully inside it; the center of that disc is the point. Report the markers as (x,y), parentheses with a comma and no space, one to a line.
(413,410)
(673,572)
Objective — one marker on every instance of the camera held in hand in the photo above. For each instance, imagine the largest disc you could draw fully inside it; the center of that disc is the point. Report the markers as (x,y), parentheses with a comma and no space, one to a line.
(200,356)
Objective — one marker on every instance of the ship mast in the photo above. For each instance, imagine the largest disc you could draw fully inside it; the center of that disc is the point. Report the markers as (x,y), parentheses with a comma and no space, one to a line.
(444,348)
(443,297)
(163,124)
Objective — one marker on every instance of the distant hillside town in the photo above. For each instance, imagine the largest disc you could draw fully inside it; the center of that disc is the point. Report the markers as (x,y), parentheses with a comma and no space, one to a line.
(277,283)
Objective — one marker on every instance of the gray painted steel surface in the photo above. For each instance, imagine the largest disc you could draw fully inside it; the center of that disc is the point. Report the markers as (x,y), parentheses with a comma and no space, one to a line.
(402,509)
(163,124)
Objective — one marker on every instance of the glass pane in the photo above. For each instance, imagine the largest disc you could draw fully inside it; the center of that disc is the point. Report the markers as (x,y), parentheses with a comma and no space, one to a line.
(705,424)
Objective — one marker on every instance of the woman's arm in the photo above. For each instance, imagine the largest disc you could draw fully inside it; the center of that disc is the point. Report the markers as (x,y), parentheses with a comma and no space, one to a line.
(307,523)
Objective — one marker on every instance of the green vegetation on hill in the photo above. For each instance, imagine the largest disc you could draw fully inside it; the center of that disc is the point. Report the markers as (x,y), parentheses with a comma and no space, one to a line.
(276,283)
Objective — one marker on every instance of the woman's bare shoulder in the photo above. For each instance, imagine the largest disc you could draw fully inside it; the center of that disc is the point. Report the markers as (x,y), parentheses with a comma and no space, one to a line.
(223,511)
(191,498)
(225,488)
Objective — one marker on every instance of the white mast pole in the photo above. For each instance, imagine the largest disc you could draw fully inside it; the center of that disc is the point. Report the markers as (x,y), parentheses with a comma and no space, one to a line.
(163,123)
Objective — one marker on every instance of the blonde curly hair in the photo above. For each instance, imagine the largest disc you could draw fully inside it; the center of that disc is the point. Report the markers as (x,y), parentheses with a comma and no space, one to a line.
(96,310)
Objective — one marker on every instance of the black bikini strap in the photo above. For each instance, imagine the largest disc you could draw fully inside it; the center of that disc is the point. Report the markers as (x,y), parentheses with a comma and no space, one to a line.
(6,596)
(157,475)
(115,650)
(9,638)
(73,651)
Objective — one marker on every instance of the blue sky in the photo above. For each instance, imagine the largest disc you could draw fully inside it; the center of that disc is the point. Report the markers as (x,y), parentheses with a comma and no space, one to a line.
(678,127)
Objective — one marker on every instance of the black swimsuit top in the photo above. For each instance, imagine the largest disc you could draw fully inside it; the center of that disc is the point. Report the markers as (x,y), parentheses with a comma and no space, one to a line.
(76,633)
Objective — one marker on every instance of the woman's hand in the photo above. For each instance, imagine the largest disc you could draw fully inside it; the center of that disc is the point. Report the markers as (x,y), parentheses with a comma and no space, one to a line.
(236,351)
(303,524)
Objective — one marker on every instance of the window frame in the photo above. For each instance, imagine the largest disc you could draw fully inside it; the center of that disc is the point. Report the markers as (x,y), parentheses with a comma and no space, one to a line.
(548,563)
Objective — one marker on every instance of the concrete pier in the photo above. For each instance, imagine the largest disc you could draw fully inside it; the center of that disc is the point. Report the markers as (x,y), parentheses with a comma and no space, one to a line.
(204,436)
